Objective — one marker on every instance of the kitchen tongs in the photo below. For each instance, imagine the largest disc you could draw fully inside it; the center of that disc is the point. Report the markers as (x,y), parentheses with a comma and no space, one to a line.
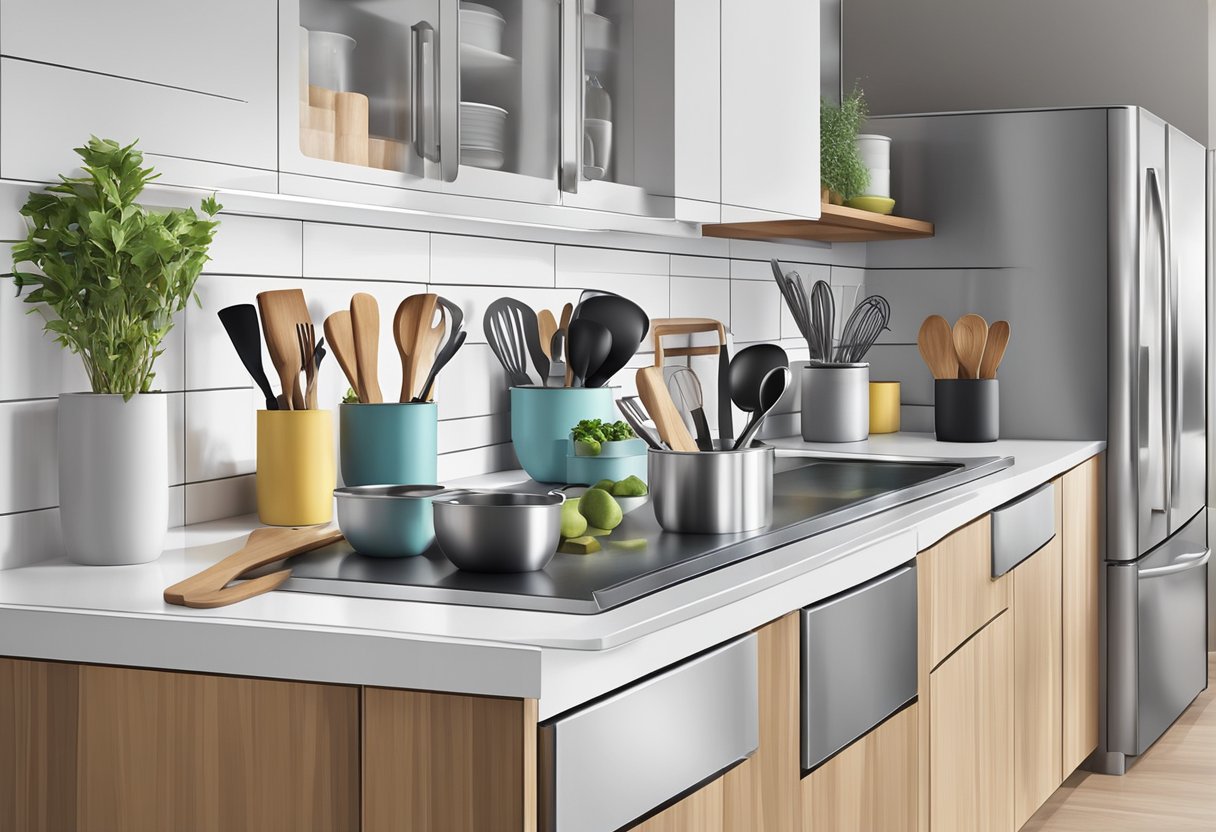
(210,588)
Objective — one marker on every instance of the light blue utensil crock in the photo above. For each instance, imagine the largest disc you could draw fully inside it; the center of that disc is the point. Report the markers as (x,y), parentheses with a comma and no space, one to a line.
(541,419)
(395,443)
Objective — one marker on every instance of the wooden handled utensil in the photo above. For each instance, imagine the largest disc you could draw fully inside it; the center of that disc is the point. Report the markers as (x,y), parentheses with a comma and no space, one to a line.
(970,338)
(548,328)
(994,351)
(564,326)
(341,338)
(209,588)
(655,396)
(418,338)
(936,344)
(663,327)
(308,357)
(365,324)
(281,310)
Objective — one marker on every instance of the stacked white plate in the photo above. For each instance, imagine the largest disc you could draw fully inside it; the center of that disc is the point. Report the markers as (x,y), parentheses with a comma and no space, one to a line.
(483,135)
(481,26)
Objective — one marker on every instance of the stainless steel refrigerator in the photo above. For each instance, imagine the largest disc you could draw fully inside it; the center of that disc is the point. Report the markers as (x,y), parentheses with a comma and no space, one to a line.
(1086,228)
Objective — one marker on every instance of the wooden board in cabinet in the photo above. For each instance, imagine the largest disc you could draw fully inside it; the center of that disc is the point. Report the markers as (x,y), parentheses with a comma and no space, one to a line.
(86,747)
(871,784)
(971,734)
(1081,568)
(1038,692)
(700,811)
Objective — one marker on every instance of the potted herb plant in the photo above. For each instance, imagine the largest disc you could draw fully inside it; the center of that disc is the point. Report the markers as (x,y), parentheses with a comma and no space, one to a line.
(108,275)
(842,173)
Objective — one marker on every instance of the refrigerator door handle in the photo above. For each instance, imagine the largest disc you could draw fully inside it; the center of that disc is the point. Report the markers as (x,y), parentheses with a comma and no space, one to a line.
(1168,348)
(1183,563)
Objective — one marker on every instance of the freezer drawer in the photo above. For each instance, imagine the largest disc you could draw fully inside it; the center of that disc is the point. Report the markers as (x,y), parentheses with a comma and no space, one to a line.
(607,764)
(1021,527)
(858,662)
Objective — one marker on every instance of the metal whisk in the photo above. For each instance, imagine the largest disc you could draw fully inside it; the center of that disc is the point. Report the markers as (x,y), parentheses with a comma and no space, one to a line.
(869,320)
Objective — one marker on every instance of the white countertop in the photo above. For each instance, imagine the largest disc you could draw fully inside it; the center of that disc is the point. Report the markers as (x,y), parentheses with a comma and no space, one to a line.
(116,615)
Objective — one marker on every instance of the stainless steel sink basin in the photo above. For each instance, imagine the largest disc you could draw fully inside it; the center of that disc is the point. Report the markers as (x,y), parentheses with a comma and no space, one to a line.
(812,493)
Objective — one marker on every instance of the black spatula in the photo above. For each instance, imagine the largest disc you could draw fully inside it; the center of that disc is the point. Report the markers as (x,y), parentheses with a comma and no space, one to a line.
(241,324)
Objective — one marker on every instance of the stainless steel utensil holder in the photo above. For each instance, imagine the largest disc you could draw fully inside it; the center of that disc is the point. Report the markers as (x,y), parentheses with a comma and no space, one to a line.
(835,402)
(712,492)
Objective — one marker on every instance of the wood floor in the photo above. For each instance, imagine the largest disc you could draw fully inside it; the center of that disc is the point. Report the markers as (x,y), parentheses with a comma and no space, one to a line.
(1172,788)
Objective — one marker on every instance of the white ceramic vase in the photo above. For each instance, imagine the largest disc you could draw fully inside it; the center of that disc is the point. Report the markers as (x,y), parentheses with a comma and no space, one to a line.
(113,477)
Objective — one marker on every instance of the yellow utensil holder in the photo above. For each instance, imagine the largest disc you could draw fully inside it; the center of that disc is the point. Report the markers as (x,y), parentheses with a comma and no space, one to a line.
(884,407)
(297,472)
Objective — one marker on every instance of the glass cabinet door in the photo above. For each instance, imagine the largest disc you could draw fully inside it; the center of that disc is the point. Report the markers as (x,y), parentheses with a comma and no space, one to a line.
(445,95)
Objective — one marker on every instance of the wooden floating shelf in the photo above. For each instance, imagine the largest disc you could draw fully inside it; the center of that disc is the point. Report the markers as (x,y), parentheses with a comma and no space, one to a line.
(838,224)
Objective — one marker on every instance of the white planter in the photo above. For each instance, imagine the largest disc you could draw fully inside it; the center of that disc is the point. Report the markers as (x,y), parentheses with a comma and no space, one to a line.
(113,477)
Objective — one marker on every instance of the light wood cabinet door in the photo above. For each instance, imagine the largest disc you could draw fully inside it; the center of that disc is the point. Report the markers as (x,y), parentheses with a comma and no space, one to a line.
(1082,564)
(971,734)
(700,811)
(1038,691)
(86,747)
(871,785)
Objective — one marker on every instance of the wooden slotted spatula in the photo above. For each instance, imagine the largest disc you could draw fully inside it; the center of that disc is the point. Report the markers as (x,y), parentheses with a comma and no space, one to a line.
(418,338)
(341,338)
(282,310)
(209,588)
(936,344)
(994,351)
(365,324)
(655,396)
(970,338)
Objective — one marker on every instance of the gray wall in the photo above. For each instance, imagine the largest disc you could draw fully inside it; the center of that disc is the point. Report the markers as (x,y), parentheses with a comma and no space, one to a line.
(931,55)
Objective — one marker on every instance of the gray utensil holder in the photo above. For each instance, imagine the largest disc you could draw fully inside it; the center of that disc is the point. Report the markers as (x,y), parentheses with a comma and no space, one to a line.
(967,409)
(835,402)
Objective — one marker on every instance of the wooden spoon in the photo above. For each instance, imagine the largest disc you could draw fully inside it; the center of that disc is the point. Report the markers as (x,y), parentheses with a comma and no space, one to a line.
(209,588)
(282,310)
(970,337)
(564,326)
(365,324)
(998,340)
(654,394)
(548,326)
(936,344)
(418,338)
(341,338)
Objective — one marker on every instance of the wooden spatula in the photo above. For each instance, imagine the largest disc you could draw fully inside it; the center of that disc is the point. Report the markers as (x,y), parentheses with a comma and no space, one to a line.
(564,326)
(998,340)
(936,344)
(418,338)
(365,324)
(209,588)
(548,326)
(654,394)
(970,338)
(341,338)
(282,310)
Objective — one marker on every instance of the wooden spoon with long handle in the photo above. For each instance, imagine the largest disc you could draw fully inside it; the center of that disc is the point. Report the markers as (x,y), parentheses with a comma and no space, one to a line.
(654,394)
(547,324)
(998,340)
(209,588)
(564,326)
(970,338)
(936,344)
(282,310)
(365,323)
(418,337)
(341,338)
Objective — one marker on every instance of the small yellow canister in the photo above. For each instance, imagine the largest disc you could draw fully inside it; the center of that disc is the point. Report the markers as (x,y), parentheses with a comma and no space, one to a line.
(884,406)
(296,468)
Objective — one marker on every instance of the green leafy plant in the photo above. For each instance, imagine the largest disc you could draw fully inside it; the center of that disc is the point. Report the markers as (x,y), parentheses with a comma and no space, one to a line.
(112,272)
(594,433)
(351,396)
(841,169)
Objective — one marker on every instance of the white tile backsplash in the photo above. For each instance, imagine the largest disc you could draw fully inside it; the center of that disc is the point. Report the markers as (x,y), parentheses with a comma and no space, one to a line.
(213,401)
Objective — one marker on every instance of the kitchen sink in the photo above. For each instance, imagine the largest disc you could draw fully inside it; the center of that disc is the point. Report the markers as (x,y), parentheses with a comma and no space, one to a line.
(813,493)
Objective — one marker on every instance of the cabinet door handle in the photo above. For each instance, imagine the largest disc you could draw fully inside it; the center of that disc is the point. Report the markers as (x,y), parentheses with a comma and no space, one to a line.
(422,90)
(572,75)
(447,91)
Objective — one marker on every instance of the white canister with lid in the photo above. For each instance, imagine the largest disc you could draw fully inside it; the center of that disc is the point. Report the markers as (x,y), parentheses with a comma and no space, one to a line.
(875,150)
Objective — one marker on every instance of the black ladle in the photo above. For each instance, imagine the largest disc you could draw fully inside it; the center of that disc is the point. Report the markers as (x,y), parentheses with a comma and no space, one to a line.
(771,390)
(588,345)
(245,333)
(628,325)
(748,371)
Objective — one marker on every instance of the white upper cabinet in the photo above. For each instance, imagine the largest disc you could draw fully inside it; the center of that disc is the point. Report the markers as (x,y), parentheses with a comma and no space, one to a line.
(195,83)
(770,109)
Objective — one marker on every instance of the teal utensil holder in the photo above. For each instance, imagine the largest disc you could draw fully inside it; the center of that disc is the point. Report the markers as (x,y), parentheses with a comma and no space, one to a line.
(395,443)
(541,419)
(616,461)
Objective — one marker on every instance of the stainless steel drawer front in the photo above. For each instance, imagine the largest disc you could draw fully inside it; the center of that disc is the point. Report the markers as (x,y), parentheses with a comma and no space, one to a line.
(609,763)
(858,662)
(1022,527)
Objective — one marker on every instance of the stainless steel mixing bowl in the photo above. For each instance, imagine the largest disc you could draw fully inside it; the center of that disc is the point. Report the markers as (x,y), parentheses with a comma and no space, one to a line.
(499,531)
(387,521)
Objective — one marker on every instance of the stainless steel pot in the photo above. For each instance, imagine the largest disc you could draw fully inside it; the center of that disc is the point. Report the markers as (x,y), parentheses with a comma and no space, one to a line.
(499,531)
(719,492)
(387,521)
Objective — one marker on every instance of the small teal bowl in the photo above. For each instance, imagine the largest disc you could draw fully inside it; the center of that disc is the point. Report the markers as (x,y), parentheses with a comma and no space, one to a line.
(616,461)
(541,420)
(395,443)
(388,521)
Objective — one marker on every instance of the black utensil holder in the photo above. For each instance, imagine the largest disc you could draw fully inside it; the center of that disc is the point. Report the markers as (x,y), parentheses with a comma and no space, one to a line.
(967,409)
